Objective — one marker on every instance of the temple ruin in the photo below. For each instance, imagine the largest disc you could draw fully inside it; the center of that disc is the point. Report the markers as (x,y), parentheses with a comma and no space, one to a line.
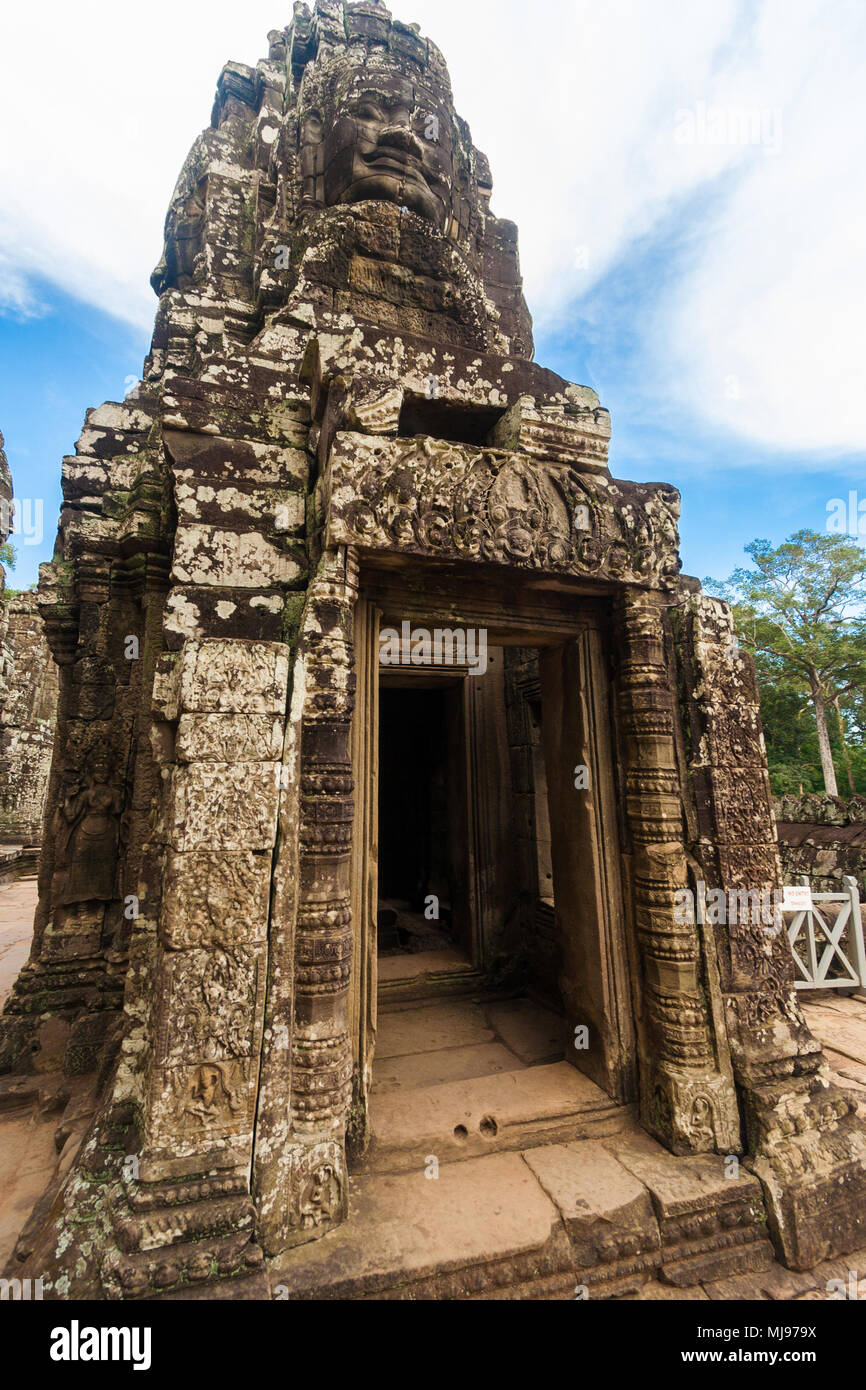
(362,648)
(28,706)
(28,699)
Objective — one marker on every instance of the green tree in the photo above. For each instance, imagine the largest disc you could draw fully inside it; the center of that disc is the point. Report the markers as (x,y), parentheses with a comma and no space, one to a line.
(802,613)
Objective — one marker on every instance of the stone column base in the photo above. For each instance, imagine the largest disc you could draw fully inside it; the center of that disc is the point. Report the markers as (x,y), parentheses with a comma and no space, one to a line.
(814,1181)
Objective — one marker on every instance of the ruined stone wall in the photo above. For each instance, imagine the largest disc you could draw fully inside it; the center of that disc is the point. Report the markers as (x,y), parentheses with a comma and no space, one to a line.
(824,839)
(28,699)
(804,1139)
(28,708)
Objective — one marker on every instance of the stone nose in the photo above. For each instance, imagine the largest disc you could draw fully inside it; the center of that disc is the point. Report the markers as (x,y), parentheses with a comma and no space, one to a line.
(400,137)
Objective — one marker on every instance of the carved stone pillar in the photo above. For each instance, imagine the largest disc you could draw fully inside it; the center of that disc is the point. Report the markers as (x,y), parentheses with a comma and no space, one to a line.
(67,1000)
(687,1092)
(363,998)
(301,1183)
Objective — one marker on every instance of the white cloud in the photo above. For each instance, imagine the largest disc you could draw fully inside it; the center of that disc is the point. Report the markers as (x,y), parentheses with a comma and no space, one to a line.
(577,104)
(768,328)
(17,299)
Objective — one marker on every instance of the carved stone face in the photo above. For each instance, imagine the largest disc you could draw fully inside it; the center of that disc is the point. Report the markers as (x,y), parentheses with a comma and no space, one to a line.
(388,138)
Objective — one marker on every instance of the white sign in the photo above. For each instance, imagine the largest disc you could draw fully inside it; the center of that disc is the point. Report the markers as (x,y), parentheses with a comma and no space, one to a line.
(797,900)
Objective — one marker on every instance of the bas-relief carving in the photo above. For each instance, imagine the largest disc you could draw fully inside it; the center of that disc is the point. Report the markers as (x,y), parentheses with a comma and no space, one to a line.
(226,677)
(209,1101)
(317,1187)
(215,899)
(446,500)
(87,828)
(229,738)
(90,837)
(208,1097)
(212,1007)
(225,806)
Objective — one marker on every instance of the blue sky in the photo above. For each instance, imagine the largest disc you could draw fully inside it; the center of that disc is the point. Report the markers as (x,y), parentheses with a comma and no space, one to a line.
(687,182)
(54,367)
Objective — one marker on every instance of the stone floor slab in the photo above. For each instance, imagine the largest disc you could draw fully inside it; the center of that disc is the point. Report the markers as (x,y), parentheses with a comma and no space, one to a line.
(423,1069)
(431,1028)
(850,1075)
(406,1227)
(606,1210)
(843,1031)
(423,965)
(682,1185)
(534,1033)
(516,1109)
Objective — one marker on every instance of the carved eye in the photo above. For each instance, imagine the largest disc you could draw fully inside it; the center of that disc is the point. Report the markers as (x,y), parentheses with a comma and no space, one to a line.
(367,111)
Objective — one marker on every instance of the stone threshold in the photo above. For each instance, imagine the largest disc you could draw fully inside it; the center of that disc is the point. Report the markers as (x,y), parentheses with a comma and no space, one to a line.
(508,1111)
(588,1218)
(427,974)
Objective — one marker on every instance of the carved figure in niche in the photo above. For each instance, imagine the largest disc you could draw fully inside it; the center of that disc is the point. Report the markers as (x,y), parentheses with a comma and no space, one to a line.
(89,830)
(210,1096)
(320,1197)
(702,1120)
(62,826)
(384,138)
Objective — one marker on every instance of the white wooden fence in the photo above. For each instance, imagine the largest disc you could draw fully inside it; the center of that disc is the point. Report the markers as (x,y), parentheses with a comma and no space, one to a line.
(818,935)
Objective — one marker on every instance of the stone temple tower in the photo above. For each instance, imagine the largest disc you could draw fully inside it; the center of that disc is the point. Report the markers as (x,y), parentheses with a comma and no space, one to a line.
(341,429)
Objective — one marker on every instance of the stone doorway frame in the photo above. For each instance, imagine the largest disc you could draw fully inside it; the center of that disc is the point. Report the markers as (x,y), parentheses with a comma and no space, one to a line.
(598,973)
(686,1091)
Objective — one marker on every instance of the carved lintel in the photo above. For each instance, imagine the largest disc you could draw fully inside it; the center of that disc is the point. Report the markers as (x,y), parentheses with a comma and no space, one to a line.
(436,499)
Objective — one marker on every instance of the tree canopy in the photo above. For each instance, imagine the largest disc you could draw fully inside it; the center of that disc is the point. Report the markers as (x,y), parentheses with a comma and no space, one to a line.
(801,612)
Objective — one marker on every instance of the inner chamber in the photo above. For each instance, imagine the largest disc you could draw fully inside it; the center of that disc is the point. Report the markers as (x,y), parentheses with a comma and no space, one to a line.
(423,860)
(464,866)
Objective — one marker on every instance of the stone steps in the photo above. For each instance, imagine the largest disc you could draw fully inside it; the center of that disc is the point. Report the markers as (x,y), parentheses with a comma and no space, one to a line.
(426,977)
(505,1112)
(495,1172)
(620,1218)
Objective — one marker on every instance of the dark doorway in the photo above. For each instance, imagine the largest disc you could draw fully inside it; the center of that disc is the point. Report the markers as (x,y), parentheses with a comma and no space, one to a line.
(421,812)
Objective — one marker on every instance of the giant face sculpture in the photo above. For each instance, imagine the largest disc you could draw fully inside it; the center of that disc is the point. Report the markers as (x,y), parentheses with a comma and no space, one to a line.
(385,137)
